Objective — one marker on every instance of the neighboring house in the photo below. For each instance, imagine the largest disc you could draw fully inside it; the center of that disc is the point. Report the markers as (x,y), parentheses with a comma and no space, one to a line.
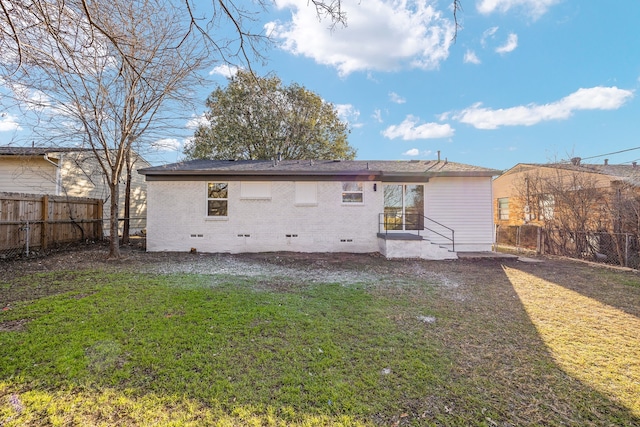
(69,172)
(418,209)
(578,196)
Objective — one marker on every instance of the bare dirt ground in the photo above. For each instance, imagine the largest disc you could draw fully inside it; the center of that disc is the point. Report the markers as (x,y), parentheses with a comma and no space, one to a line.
(458,277)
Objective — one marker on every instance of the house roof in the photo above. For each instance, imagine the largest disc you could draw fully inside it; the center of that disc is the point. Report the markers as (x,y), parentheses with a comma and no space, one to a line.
(327,169)
(626,173)
(35,151)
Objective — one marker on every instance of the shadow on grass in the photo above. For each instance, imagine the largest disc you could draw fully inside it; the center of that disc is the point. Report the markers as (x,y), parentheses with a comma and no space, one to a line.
(196,350)
(500,353)
(595,343)
(615,287)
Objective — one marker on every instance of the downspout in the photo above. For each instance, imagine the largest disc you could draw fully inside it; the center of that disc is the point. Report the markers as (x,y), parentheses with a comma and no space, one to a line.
(58,166)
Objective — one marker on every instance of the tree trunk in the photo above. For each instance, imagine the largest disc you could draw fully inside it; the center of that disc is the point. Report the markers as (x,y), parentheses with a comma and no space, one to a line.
(127,201)
(114,245)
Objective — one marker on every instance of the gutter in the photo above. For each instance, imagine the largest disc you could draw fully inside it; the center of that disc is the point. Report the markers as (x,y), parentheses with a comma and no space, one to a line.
(58,166)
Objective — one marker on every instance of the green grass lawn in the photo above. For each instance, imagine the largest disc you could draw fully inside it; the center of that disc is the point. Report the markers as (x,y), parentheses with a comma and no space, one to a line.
(116,348)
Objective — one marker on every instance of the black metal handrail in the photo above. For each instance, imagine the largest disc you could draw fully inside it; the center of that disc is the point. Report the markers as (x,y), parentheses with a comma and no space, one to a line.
(388,221)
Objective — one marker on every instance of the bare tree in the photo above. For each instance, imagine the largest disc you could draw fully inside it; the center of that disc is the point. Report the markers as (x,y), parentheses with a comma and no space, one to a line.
(103,75)
(100,74)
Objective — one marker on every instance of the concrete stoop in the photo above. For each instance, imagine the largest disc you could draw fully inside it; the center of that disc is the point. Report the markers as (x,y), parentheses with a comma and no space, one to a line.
(412,246)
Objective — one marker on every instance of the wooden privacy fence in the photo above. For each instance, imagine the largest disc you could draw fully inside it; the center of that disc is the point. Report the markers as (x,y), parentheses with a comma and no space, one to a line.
(37,223)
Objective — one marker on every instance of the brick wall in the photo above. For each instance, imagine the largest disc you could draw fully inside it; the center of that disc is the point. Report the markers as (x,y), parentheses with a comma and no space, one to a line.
(177,220)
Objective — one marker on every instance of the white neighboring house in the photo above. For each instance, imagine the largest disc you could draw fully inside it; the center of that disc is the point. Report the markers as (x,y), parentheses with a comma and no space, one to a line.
(69,172)
(402,209)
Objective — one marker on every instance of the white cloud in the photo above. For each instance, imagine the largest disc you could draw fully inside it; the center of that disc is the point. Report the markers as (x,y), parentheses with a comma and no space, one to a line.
(8,123)
(382,35)
(196,121)
(413,152)
(348,113)
(534,8)
(377,115)
(167,144)
(394,97)
(470,57)
(595,98)
(224,70)
(488,34)
(410,129)
(510,45)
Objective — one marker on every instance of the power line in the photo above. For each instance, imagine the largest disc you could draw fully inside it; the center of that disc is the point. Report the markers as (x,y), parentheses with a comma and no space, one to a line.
(608,154)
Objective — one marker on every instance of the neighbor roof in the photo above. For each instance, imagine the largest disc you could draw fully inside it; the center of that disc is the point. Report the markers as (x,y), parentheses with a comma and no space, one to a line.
(35,151)
(327,169)
(627,173)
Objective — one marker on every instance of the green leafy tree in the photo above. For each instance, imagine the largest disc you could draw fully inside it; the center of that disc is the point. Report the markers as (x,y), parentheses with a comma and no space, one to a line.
(258,118)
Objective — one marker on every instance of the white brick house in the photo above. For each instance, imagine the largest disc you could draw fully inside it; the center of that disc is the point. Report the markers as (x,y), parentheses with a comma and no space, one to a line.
(419,209)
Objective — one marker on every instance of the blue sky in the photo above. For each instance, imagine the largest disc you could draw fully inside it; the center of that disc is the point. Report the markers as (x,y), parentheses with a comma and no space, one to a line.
(525,80)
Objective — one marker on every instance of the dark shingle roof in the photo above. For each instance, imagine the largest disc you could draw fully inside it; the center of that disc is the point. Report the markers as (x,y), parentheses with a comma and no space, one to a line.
(378,168)
(35,151)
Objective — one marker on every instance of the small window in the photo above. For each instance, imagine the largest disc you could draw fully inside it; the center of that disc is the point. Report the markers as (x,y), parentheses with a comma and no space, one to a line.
(352,192)
(503,208)
(547,205)
(306,193)
(217,198)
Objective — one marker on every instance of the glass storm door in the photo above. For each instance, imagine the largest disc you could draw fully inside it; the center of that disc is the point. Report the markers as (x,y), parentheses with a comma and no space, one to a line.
(403,207)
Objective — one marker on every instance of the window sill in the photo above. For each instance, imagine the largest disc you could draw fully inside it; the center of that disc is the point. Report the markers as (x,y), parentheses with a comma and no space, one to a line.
(216,218)
(305,204)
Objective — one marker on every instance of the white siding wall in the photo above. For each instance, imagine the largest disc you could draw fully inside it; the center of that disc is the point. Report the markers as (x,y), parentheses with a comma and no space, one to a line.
(31,175)
(177,220)
(463,204)
(82,176)
(79,175)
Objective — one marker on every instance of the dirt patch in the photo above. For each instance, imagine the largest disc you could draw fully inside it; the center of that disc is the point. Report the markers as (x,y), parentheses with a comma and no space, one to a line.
(458,280)
(13,325)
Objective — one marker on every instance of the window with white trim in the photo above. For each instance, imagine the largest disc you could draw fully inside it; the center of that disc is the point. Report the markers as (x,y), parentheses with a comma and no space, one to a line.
(547,206)
(352,192)
(503,208)
(217,199)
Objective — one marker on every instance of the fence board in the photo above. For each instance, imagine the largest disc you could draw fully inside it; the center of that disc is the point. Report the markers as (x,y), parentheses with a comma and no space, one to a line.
(37,221)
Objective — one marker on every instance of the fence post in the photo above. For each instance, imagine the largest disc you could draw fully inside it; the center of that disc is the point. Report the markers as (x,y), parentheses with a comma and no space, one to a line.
(100,221)
(44,239)
(626,250)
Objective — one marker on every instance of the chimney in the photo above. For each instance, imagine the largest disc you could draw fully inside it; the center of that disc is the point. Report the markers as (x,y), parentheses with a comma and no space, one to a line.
(438,155)
(606,162)
(575,161)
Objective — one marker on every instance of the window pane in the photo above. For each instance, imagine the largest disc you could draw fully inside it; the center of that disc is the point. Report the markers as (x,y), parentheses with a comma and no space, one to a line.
(217,208)
(217,190)
(503,208)
(393,196)
(351,186)
(414,207)
(352,197)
